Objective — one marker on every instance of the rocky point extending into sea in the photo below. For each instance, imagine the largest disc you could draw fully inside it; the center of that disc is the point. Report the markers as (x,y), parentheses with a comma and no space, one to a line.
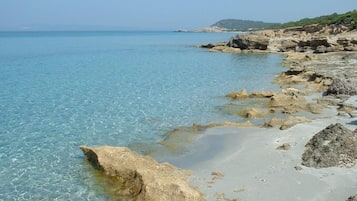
(308,144)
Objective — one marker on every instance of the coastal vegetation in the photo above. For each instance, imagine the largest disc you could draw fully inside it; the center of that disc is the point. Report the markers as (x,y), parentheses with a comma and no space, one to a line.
(348,19)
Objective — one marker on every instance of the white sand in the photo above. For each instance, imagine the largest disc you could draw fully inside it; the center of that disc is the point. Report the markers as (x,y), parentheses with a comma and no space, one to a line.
(254,170)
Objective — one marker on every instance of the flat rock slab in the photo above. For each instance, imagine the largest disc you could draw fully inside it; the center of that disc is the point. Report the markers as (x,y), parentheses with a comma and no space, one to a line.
(136,177)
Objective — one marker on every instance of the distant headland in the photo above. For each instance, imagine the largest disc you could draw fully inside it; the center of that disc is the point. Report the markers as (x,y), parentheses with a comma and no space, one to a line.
(238,25)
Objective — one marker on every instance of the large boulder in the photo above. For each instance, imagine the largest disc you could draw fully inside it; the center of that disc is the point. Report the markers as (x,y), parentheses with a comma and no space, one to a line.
(333,146)
(252,41)
(343,86)
(135,177)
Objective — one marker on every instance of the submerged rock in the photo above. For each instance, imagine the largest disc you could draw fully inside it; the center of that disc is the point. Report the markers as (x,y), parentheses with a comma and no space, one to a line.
(333,146)
(135,177)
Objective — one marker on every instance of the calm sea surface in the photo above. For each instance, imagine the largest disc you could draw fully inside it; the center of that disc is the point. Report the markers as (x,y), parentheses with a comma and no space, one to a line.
(60,90)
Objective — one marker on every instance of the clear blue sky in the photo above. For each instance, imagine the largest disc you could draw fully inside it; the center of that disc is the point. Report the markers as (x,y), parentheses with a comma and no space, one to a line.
(157,14)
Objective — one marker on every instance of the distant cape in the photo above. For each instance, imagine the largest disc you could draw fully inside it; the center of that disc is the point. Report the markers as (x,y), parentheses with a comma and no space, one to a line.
(237,25)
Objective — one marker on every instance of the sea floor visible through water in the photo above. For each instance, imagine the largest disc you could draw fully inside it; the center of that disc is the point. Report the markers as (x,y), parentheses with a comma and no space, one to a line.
(60,90)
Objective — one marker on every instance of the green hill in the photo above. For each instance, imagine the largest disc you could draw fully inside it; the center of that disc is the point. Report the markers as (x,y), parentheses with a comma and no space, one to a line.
(243,25)
(348,19)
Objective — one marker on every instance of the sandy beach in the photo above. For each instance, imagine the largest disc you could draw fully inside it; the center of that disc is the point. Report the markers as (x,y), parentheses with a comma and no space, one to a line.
(256,163)
(253,168)
(252,162)
(266,163)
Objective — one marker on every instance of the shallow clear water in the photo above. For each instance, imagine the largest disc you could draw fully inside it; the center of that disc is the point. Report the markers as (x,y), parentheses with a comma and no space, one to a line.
(59,90)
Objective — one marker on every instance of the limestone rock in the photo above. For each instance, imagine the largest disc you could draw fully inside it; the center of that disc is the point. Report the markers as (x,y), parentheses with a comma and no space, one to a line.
(211,29)
(347,44)
(217,175)
(238,95)
(333,146)
(314,38)
(292,121)
(291,103)
(340,86)
(136,177)
(288,45)
(261,94)
(286,122)
(252,113)
(312,28)
(314,43)
(230,124)
(285,146)
(252,41)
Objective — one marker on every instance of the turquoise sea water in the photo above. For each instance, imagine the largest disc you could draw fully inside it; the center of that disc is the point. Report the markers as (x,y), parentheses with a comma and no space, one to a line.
(60,90)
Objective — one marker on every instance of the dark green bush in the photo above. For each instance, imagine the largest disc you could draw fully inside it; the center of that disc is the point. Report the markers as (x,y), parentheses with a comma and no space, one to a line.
(348,19)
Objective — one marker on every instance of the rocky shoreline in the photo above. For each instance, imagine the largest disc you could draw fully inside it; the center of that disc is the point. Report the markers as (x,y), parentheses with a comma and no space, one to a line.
(321,59)
(312,38)
(322,77)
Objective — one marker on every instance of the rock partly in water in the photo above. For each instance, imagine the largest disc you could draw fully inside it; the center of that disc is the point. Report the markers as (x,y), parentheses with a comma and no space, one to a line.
(252,113)
(209,45)
(135,177)
(238,95)
(261,94)
(290,102)
(343,86)
(230,124)
(253,41)
(285,123)
(312,38)
(211,29)
(333,146)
